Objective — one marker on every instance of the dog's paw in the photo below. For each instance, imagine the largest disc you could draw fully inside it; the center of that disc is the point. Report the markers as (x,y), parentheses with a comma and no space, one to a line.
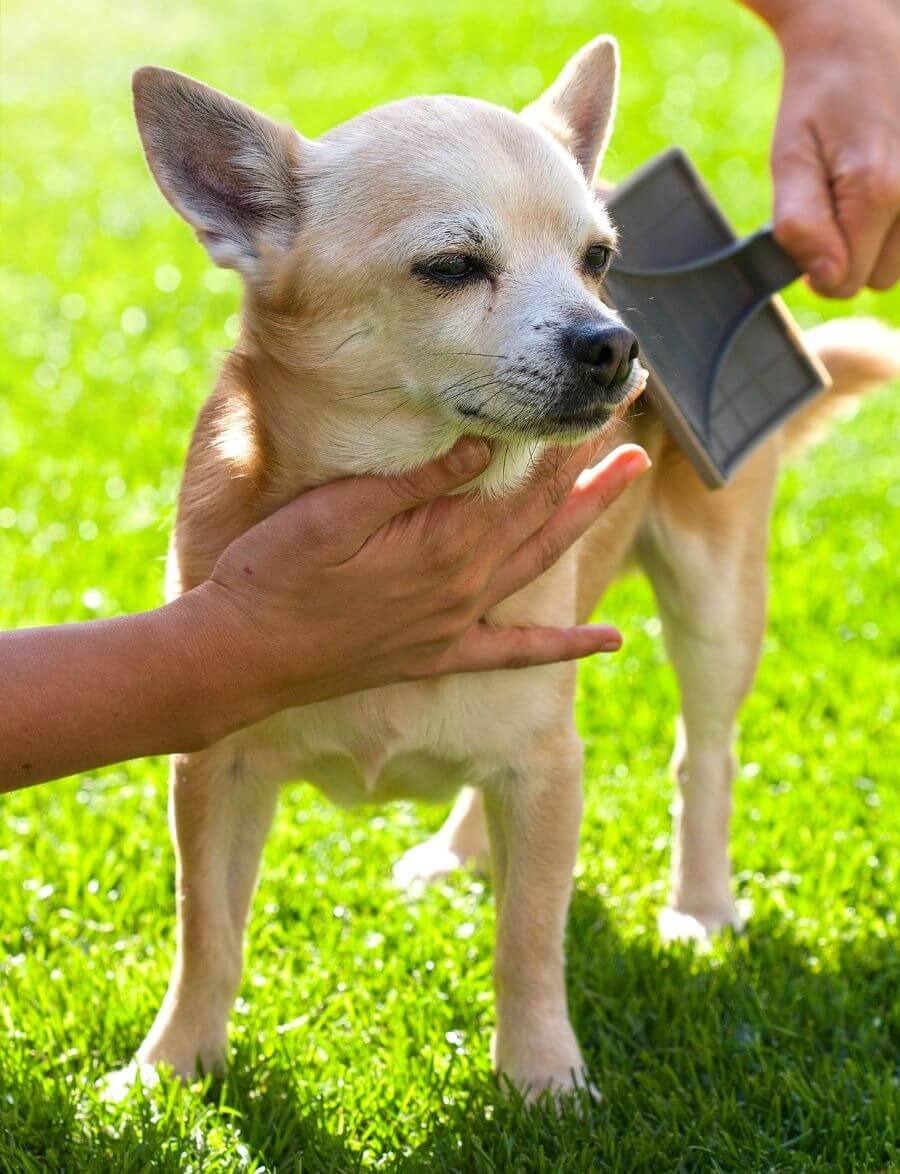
(428,862)
(553,1087)
(191,1042)
(542,1063)
(678,926)
(116,1086)
(186,1066)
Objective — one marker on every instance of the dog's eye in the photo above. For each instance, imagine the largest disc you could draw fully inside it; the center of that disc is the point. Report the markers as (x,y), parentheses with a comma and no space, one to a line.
(596,260)
(450,269)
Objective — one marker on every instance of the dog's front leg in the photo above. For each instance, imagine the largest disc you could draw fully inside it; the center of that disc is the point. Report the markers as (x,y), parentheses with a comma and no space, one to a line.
(533,823)
(219,820)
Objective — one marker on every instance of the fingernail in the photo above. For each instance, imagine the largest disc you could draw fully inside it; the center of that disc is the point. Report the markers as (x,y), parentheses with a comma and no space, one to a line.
(639,461)
(468,456)
(824,273)
(611,645)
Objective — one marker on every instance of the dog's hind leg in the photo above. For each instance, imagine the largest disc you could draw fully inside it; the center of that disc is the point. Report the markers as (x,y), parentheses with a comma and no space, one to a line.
(219,816)
(705,555)
(534,824)
(462,838)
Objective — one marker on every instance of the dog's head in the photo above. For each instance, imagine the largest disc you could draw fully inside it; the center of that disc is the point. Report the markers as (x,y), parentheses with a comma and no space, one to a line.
(439,254)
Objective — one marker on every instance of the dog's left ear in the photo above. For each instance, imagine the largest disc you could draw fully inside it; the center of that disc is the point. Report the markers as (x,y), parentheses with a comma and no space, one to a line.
(579,108)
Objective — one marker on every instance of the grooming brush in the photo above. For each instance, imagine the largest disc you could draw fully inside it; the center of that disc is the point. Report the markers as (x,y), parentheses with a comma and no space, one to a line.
(727,363)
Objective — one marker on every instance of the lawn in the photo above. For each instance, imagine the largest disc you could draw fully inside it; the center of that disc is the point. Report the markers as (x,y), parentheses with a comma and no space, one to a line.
(360,1040)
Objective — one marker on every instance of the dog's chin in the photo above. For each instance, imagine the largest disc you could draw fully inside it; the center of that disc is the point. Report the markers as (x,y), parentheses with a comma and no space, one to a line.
(575,426)
(564,425)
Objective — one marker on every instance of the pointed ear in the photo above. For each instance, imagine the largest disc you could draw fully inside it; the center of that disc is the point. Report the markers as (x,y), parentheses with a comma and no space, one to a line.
(580,106)
(231,173)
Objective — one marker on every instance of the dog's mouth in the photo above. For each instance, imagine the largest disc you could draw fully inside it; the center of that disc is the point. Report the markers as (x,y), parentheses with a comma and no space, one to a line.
(562,420)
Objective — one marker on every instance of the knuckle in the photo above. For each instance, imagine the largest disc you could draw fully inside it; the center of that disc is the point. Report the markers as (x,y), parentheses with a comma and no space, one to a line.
(449,630)
(884,281)
(449,598)
(441,561)
(547,464)
(460,592)
(793,229)
(556,491)
(317,530)
(518,657)
(458,629)
(411,487)
(451,553)
(877,183)
(846,291)
(426,664)
(552,549)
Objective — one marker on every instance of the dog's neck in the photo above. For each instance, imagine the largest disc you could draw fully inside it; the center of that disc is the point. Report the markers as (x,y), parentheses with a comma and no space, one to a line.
(312,433)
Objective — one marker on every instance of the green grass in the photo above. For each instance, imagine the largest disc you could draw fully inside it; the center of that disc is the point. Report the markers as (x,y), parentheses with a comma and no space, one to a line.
(361,1036)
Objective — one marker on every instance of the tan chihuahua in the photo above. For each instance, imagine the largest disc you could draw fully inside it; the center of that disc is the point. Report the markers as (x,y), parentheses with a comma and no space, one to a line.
(430,269)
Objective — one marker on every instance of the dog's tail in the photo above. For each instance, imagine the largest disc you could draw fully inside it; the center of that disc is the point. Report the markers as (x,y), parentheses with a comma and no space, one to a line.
(858,353)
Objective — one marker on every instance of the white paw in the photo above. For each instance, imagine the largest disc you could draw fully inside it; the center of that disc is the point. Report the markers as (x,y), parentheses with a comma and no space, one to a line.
(676,926)
(116,1086)
(426,862)
(545,1059)
(558,1085)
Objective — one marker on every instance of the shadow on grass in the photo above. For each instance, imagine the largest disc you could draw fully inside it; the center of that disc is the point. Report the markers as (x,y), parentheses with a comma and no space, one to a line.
(756,1056)
(281,1128)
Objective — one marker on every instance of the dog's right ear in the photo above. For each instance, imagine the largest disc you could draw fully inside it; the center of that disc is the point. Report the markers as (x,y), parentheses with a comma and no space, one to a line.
(580,107)
(233,175)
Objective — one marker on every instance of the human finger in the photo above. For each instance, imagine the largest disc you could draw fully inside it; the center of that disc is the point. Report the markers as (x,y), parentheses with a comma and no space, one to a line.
(886,272)
(804,216)
(485,648)
(345,513)
(595,491)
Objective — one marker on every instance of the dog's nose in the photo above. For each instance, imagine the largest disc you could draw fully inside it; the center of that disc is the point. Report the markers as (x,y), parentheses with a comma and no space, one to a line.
(606,349)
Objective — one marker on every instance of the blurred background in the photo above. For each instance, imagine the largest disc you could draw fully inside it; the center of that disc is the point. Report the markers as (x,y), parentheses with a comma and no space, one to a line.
(112,323)
(113,320)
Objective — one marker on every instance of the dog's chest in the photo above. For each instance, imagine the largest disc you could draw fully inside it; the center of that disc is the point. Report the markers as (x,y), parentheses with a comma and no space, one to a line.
(410,741)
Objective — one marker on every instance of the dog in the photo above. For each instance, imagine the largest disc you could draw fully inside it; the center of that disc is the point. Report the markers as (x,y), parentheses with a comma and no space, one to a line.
(430,269)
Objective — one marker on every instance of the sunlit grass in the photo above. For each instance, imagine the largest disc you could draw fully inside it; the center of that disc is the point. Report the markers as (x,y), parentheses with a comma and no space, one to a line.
(361,1036)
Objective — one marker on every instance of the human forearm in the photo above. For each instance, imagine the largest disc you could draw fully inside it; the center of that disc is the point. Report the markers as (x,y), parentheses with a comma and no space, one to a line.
(80,696)
(347,588)
(779,14)
(798,23)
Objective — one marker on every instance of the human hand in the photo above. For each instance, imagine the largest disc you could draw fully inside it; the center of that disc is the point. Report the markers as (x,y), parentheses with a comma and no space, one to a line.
(371,580)
(836,150)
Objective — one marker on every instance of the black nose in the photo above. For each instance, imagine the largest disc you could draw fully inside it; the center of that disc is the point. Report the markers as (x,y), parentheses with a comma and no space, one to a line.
(605,349)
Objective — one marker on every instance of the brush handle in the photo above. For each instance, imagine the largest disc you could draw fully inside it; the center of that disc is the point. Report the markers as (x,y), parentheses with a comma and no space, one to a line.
(765,263)
(766,269)
(760,258)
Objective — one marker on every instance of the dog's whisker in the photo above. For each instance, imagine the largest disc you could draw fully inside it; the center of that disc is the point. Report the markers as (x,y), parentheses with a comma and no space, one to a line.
(483,387)
(463,383)
(487,403)
(469,354)
(396,408)
(340,345)
(372,391)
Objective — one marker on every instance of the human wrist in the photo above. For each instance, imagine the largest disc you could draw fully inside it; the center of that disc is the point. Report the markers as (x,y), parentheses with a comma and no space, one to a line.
(222,688)
(802,25)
